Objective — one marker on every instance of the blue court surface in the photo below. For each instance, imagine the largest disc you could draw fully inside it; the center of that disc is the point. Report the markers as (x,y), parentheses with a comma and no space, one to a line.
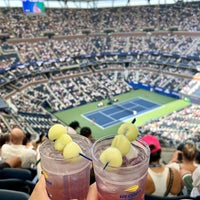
(119,112)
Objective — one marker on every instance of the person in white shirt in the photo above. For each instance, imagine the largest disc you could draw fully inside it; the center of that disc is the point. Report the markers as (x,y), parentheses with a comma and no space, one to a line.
(16,148)
(161,179)
(196,183)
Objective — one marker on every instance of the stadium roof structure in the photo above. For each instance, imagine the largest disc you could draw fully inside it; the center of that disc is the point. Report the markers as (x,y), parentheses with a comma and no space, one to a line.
(91,3)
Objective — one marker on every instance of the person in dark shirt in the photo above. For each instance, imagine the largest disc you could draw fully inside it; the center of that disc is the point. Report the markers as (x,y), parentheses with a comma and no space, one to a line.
(87,132)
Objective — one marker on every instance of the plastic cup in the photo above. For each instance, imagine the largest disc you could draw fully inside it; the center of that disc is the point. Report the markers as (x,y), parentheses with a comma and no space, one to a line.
(66,178)
(126,182)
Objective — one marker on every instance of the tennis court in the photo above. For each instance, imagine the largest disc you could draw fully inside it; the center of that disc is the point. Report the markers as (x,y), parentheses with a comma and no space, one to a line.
(119,112)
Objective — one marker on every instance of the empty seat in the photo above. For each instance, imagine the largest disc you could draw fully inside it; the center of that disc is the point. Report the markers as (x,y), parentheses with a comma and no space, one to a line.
(19,173)
(19,185)
(13,195)
(153,197)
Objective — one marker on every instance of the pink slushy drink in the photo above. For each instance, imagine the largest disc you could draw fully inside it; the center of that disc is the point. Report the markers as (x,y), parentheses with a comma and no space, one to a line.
(126,182)
(66,178)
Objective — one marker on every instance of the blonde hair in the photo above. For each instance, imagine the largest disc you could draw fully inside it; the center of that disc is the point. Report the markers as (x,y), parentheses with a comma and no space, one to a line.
(189,151)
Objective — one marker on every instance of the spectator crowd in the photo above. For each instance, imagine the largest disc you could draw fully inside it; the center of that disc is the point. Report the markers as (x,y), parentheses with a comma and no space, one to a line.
(86,61)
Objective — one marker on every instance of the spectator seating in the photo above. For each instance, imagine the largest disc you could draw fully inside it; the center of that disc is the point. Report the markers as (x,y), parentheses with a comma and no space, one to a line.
(17,179)
(17,173)
(63,81)
(14,195)
(153,197)
(14,184)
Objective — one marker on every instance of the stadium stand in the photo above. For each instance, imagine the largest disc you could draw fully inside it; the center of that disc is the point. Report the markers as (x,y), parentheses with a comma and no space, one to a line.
(118,51)
(50,61)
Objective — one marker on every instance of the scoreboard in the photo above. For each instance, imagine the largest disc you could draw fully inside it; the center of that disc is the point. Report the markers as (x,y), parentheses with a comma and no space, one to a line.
(33,6)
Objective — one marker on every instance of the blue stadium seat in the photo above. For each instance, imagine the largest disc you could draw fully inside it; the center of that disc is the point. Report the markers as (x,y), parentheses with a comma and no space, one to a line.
(19,173)
(13,195)
(19,185)
(153,197)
